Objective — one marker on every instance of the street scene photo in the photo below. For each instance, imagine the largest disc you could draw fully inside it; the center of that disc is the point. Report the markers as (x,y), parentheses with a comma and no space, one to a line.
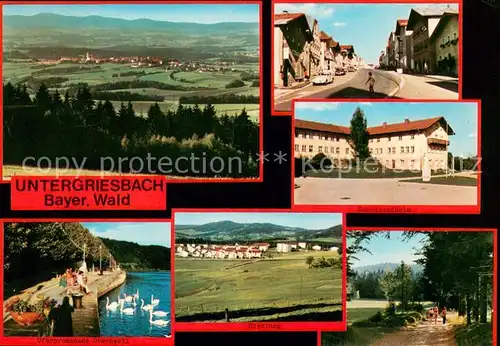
(408,51)
(420,287)
(163,89)
(386,153)
(87,279)
(271,267)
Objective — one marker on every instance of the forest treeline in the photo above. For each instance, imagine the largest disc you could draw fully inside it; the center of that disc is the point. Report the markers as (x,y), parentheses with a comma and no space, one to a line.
(77,127)
(135,257)
(457,273)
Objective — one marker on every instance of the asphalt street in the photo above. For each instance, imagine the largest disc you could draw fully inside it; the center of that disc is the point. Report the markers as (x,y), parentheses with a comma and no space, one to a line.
(387,85)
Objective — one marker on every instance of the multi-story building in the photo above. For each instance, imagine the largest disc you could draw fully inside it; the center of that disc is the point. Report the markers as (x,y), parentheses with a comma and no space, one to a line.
(292,35)
(403,38)
(392,50)
(423,22)
(445,42)
(314,48)
(396,146)
(328,50)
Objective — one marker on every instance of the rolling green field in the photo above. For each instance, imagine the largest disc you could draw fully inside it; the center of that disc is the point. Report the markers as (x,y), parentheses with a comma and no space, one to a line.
(103,73)
(283,288)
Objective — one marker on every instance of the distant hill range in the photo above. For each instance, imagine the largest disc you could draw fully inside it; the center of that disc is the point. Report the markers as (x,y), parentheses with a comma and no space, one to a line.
(416,268)
(229,230)
(56,21)
(48,36)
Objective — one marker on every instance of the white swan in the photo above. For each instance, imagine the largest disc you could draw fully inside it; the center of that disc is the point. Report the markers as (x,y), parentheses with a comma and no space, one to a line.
(136,295)
(128,311)
(133,302)
(145,307)
(160,323)
(111,306)
(154,301)
(160,313)
(128,299)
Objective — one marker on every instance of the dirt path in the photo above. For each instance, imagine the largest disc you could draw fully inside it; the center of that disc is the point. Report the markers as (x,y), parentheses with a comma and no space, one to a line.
(424,334)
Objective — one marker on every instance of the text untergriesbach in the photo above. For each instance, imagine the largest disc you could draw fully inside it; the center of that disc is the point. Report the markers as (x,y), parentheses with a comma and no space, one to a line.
(90,193)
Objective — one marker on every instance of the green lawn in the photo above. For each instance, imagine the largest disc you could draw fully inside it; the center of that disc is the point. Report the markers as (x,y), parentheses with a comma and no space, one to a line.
(457,181)
(356,315)
(281,288)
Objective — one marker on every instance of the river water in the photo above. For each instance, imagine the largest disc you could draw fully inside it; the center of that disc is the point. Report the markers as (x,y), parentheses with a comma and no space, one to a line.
(116,323)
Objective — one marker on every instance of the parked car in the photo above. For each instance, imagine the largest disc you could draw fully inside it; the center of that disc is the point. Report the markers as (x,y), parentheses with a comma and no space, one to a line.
(322,79)
(340,72)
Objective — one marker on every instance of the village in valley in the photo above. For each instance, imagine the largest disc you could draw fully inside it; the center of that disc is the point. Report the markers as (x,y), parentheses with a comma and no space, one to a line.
(238,251)
(226,264)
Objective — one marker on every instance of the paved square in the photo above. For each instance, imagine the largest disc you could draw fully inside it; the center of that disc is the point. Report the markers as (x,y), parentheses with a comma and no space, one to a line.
(325,191)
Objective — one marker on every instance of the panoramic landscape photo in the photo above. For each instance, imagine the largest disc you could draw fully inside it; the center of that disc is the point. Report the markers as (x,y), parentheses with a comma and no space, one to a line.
(419,287)
(387,153)
(87,279)
(269,267)
(167,89)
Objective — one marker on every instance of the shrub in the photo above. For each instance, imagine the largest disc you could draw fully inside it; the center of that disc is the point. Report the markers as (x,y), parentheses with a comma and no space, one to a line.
(237,83)
(320,161)
(378,317)
(411,319)
(390,309)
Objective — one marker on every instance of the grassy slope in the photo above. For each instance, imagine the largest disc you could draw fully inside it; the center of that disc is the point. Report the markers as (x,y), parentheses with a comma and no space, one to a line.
(256,290)
(456,181)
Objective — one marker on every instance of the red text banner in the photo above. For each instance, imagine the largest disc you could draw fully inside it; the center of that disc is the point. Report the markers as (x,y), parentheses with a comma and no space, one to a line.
(88,193)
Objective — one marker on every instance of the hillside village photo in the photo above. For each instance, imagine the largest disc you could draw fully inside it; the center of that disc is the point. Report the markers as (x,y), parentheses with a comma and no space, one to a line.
(131,89)
(387,153)
(227,267)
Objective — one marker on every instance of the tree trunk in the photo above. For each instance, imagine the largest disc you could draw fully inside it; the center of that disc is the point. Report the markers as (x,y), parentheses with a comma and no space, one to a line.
(482,300)
(476,301)
(468,303)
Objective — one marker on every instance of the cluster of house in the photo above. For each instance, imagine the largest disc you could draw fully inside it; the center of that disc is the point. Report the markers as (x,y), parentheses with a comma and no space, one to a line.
(426,42)
(302,51)
(408,145)
(237,251)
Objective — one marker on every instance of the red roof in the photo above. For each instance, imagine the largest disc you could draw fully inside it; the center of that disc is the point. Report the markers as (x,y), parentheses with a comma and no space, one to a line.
(403,22)
(287,16)
(255,250)
(346,47)
(324,37)
(406,126)
(230,248)
(312,125)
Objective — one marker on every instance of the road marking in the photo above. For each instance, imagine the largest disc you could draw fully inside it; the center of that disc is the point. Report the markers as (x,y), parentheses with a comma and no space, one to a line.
(291,91)
(398,88)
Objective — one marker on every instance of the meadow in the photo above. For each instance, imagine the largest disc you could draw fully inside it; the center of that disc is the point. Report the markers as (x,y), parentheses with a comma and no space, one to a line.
(282,288)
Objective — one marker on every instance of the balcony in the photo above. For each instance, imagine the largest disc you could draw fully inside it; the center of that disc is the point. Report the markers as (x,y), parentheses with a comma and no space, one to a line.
(437,141)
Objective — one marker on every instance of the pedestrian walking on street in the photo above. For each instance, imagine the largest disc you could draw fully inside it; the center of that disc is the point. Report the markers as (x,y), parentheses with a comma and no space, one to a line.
(371,83)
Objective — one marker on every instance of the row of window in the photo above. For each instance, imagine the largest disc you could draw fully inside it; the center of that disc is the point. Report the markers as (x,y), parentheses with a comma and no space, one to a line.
(403,150)
(389,139)
(321,149)
(435,163)
(322,137)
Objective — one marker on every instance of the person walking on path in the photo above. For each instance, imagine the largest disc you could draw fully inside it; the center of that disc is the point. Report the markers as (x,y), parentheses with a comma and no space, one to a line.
(371,83)
(436,313)
(443,314)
